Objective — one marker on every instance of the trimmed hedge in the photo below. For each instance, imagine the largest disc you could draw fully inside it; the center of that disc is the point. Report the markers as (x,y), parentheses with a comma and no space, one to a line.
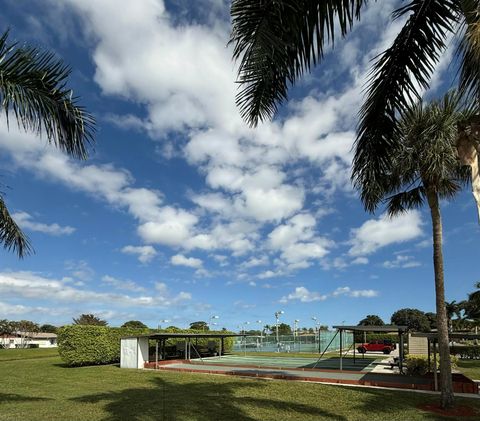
(92,345)
(80,345)
(466,352)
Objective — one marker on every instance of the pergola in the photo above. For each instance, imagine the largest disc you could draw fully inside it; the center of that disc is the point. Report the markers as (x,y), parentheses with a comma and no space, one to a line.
(432,338)
(400,330)
(134,349)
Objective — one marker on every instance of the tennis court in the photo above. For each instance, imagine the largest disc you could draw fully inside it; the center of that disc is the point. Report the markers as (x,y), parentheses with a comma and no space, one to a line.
(284,362)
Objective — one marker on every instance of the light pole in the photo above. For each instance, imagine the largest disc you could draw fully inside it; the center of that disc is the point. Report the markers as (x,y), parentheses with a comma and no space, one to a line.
(277,315)
(210,321)
(261,332)
(162,322)
(295,326)
(317,330)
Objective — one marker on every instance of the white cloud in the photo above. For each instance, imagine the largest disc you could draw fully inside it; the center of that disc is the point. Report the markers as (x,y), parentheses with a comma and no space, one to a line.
(36,287)
(401,261)
(122,284)
(303,295)
(360,261)
(145,253)
(377,233)
(181,260)
(25,220)
(366,293)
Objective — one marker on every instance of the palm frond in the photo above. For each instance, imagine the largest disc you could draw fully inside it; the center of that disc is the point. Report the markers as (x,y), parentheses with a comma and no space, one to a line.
(276,41)
(469,49)
(33,86)
(406,200)
(11,236)
(393,86)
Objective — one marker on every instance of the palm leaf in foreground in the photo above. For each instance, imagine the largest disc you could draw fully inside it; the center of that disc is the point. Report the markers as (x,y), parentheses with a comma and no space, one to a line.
(33,86)
(11,236)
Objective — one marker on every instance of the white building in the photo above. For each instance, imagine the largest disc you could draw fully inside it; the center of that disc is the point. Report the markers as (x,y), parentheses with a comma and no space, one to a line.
(26,340)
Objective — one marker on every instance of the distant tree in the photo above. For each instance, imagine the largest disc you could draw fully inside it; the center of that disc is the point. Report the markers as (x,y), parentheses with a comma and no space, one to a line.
(323,327)
(413,318)
(371,320)
(46,328)
(452,309)
(432,319)
(310,330)
(24,328)
(284,329)
(200,325)
(6,329)
(89,319)
(134,324)
(253,332)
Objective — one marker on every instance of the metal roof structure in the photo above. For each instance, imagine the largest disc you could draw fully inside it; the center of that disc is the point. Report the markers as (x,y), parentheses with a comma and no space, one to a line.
(167,335)
(372,328)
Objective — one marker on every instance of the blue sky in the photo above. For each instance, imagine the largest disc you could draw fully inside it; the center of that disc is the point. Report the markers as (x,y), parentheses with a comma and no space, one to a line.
(182,211)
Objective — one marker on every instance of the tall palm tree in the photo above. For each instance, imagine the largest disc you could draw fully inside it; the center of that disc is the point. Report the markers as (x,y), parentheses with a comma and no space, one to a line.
(426,169)
(452,309)
(277,41)
(33,88)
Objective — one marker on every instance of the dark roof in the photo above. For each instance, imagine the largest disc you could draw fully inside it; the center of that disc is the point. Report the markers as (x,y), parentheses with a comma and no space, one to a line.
(371,328)
(451,335)
(167,335)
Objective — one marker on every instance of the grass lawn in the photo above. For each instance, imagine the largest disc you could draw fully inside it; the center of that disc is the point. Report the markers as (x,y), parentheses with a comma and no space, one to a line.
(471,368)
(44,389)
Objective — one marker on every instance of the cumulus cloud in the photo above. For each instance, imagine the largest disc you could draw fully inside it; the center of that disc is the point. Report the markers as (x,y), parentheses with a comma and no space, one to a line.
(29,285)
(145,253)
(303,295)
(26,221)
(377,233)
(355,293)
(122,284)
(181,260)
(402,262)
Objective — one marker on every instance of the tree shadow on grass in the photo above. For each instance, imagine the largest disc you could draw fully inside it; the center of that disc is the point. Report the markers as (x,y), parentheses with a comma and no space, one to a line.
(199,401)
(378,403)
(14,397)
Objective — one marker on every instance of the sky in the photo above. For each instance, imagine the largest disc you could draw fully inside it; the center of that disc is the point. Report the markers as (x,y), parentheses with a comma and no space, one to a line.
(182,212)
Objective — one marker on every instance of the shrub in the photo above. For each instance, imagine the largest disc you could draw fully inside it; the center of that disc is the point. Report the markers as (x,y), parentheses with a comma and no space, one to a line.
(80,345)
(91,345)
(376,337)
(467,352)
(418,364)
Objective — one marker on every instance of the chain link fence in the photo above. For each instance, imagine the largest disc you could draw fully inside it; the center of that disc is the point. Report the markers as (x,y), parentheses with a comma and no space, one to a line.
(291,343)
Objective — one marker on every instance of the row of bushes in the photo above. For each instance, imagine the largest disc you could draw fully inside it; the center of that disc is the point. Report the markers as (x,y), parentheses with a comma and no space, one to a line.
(80,345)
(466,352)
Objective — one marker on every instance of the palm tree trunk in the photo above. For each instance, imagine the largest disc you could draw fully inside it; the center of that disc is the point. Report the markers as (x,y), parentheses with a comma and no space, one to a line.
(446,386)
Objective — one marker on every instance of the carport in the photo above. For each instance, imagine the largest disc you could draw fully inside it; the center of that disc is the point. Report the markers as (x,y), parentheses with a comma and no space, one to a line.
(134,350)
(400,330)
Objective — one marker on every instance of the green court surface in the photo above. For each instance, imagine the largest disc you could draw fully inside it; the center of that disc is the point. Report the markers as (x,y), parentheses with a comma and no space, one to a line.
(330,363)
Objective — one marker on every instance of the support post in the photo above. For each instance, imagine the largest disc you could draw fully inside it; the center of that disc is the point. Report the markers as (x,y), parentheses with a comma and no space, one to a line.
(435,374)
(353,333)
(156,354)
(221,346)
(186,349)
(400,353)
(341,351)
(429,357)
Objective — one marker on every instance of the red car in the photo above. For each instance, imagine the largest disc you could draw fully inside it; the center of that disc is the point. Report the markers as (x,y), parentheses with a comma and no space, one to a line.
(385,346)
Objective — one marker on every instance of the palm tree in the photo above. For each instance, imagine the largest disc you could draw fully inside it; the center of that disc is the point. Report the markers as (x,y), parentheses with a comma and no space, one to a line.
(33,87)
(426,169)
(277,41)
(452,309)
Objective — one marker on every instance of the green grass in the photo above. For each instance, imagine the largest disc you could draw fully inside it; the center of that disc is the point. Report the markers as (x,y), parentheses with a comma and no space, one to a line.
(471,368)
(44,389)
(23,354)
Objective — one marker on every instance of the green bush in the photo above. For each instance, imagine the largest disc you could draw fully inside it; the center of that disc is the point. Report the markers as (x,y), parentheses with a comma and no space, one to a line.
(80,345)
(34,346)
(418,364)
(376,337)
(91,345)
(466,352)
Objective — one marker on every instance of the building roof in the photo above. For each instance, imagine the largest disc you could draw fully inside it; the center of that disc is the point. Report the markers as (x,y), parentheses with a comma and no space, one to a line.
(372,328)
(36,335)
(451,335)
(166,335)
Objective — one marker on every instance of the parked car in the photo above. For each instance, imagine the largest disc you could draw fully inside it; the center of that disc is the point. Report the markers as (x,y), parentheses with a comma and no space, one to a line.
(386,346)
